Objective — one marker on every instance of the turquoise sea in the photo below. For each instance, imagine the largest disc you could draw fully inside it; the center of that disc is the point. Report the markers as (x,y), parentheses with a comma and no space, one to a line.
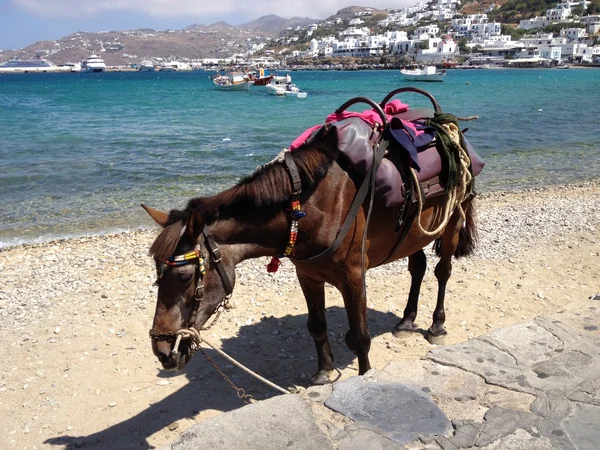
(79,152)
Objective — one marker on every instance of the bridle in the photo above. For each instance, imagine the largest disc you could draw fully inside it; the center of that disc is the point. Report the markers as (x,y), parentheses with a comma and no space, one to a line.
(197,258)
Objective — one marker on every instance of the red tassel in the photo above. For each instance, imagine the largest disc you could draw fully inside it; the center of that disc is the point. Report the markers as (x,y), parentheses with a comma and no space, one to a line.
(273,265)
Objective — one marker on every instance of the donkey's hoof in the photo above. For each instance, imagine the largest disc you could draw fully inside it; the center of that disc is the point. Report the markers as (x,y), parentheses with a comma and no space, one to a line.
(438,338)
(405,330)
(320,378)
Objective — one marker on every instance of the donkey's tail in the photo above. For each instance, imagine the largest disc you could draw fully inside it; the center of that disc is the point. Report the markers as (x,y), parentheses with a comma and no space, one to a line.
(468,235)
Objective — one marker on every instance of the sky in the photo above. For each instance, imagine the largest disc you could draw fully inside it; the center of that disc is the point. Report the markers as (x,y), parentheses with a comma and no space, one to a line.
(25,22)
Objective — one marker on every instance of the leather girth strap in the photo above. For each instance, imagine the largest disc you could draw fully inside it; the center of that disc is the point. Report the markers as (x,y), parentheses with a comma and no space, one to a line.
(408,210)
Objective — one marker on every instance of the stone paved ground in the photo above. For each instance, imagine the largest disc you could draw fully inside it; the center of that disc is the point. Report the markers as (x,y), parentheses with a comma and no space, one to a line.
(534,386)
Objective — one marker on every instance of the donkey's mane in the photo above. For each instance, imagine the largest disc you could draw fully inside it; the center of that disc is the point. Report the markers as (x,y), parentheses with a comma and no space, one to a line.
(263,194)
(269,188)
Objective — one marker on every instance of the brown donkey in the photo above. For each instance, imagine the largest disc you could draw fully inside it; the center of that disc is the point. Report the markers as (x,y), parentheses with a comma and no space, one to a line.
(198,249)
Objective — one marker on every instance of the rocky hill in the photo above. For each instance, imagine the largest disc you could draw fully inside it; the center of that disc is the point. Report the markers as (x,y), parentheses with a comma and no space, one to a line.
(274,24)
(350,11)
(216,40)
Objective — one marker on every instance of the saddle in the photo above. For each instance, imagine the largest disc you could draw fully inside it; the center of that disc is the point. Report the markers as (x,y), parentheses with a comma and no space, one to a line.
(396,154)
(411,142)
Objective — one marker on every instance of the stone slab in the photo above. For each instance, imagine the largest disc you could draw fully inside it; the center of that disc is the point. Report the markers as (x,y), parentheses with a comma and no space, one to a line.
(583,425)
(396,411)
(366,439)
(283,422)
(548,354)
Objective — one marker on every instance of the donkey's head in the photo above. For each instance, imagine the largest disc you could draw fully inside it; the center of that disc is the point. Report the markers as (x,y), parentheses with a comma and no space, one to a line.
(193,278)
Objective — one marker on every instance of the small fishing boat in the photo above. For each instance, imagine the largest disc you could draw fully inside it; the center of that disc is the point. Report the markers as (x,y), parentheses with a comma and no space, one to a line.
(283,86)
(288,89)
(146,66)
(231,81)
(261,77)
(427,73)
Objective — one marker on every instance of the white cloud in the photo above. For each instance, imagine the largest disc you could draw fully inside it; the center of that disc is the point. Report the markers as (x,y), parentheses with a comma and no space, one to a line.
(196,9)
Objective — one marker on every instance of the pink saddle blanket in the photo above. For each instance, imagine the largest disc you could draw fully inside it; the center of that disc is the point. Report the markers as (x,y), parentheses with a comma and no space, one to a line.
(355,134)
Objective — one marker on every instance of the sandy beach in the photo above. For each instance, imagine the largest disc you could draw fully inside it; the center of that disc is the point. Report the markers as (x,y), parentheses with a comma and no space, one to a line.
(77,367)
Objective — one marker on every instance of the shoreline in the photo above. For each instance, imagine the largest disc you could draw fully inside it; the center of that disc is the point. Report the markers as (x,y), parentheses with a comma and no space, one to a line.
(140,229)
(75,314)
(349,68)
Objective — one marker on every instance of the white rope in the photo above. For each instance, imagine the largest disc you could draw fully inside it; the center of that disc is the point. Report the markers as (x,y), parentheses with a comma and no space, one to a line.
(454,197)
(244,368)
(194,335)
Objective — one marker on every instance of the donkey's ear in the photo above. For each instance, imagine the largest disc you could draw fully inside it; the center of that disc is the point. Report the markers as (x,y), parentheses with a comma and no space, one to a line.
(195,225)
(161,218)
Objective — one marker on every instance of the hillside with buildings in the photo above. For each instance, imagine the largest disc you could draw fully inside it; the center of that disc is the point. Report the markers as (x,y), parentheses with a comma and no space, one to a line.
(505,32)
(193,43)
(442,32)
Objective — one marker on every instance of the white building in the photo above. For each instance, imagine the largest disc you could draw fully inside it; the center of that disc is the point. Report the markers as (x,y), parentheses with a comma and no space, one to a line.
(574,34)
(590,54)
(399,18)
(560,13)
(423,32)
(406,47)
(535,22)
(501,42)
(451,4)
(355,21)
(485,29)
(394,36)
(550,52)
(353,47)
(541,39)
(355,33)
(445,45)
(573,49)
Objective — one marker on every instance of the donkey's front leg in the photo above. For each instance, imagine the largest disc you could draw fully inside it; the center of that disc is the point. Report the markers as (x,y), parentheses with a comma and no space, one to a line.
(357,337)
(314,293)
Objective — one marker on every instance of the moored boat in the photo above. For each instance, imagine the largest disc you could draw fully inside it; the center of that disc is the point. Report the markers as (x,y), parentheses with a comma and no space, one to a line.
(260,78)
(93,64)
(146,66)
(287,89)
(231,81)
(37,64)
(427,73)
(174,66)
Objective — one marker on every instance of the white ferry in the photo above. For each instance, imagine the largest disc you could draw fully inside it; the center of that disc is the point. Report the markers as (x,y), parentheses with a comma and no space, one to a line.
(29,65)
(93,64)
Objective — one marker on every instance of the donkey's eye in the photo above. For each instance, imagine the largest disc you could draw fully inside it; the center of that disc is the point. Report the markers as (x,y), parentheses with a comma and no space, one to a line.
(185,277)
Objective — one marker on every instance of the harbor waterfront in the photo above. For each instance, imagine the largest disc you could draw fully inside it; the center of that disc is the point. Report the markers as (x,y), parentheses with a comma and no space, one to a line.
(80,152)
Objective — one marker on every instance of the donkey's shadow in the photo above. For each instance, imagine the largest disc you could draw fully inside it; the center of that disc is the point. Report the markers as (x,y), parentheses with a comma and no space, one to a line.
(277,348)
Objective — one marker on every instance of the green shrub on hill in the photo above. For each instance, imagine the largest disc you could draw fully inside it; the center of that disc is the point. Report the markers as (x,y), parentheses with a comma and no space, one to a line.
(515,10)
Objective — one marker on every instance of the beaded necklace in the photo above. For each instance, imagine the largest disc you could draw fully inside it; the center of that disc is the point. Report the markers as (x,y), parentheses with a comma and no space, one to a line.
(294,214)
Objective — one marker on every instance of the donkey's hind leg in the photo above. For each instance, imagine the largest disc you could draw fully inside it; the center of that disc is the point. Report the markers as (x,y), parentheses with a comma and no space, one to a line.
(417,265)
(355,301)
(314,293)
(446,247)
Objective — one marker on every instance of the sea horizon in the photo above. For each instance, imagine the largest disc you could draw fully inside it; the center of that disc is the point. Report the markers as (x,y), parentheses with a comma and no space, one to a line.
(80,152)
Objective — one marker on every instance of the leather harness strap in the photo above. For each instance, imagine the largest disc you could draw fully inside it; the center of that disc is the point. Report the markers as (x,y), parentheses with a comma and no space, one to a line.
(294,174)
(215,255)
